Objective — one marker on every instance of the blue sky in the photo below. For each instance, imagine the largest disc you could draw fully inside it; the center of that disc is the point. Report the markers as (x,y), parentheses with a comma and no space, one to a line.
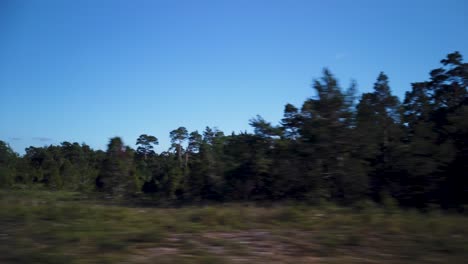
(88,70)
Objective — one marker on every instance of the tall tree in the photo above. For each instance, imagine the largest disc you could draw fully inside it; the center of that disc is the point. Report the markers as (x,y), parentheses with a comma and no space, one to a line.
(212,155)
(291,122)
(327,120)
(178,137)
(115,176)
(379,129)
(435,150)
(8,159)
(146,145)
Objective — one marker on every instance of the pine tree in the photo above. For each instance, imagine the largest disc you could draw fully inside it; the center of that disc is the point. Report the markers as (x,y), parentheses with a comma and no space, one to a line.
(116,176)
(380,133)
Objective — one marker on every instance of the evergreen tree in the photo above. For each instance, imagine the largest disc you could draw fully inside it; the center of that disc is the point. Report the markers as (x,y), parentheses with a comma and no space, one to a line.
(115,176)
(8,160)
(146,145)
(378,117)
(178,137)
(332,172)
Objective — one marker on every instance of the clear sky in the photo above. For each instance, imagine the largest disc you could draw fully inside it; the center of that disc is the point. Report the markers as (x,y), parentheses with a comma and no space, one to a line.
(88,70)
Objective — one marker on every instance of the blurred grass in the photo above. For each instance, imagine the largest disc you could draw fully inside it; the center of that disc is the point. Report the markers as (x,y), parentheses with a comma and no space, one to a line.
(68,227)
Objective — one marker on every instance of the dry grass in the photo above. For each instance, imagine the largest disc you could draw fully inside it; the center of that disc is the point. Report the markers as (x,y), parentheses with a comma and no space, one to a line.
(44,227)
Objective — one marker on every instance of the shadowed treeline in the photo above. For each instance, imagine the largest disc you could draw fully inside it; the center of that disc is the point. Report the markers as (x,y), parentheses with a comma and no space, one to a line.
(332,148)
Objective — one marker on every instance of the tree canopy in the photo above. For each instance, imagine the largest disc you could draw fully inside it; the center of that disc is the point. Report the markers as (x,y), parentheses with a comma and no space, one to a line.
(334,147)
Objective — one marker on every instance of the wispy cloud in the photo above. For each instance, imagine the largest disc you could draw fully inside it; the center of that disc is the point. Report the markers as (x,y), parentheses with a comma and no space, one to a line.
(42,139)
(15,139)
(340,56)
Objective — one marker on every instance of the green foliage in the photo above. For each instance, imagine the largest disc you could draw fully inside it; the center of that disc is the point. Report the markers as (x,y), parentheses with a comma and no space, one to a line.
(57,227)
(329,149)
(145,145)
(7,165)
(117,175)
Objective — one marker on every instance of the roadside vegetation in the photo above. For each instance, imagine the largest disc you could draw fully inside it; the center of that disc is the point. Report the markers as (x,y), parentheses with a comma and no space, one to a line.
(68,227)
(340,179)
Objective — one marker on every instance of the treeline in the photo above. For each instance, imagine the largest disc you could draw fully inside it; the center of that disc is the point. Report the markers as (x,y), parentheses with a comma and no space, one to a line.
(333,148)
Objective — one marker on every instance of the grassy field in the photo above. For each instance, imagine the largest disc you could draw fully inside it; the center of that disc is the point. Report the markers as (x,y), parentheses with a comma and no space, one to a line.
(63,227)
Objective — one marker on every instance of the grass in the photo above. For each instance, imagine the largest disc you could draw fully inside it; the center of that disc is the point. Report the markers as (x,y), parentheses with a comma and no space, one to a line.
(66,227)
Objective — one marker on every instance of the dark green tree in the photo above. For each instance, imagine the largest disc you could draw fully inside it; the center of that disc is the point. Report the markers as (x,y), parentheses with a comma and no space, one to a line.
(115,176)
(178,137)
(333,171)
(8,160)
(146,145)
(380,133)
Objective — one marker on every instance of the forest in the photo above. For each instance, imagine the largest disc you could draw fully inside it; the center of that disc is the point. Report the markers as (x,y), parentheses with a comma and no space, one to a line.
(336,147)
